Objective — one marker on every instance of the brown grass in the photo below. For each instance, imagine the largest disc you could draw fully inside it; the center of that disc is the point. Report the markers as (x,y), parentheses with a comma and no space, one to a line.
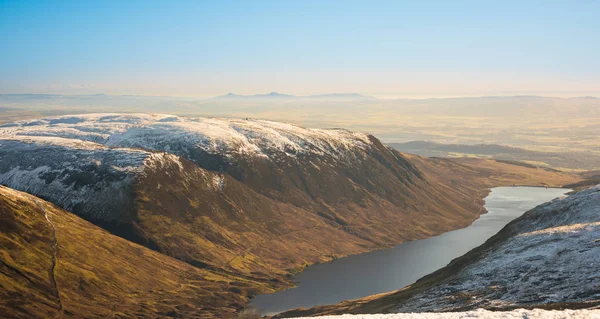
(99,274)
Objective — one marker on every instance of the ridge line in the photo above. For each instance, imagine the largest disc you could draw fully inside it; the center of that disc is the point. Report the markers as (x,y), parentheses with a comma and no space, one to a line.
(54,259)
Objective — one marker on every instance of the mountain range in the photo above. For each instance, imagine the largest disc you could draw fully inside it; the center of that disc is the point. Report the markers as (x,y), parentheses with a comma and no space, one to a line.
(275,95)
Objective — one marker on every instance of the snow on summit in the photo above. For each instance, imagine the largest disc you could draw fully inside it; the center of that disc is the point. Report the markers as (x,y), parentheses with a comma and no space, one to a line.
(184,135)
(87,162)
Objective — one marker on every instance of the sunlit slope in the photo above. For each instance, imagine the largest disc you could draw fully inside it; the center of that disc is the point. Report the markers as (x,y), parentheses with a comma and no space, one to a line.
(91,273)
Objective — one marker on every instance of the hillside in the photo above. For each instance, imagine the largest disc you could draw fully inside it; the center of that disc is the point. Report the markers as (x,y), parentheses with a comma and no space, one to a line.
(55,263)
(544,259)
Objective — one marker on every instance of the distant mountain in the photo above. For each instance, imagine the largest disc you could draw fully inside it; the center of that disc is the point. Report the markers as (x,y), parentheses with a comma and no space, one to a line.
(586,98)
(342,96)
(546,258)
(275,95)
(272,95)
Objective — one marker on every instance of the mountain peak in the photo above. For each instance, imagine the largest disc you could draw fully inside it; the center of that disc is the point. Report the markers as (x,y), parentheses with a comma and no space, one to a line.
(255,96)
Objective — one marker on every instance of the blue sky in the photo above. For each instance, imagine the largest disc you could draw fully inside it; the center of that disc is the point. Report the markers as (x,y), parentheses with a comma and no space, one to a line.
(383,48)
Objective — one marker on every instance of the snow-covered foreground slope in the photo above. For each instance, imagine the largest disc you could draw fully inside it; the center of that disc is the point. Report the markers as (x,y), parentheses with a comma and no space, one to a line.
(553,256)
(482,314)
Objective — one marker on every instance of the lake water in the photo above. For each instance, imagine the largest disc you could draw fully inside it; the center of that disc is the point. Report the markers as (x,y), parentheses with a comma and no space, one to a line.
(391,269)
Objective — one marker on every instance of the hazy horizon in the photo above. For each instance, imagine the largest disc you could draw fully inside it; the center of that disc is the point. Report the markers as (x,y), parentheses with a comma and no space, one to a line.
(265,94)
(435,68)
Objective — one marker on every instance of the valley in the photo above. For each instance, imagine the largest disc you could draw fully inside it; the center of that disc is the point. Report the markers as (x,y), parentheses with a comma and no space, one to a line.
(544,259)
(294,159)
(247,199)
(385,270)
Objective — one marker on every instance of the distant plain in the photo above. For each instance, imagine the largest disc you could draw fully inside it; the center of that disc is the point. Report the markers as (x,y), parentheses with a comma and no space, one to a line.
(545,124)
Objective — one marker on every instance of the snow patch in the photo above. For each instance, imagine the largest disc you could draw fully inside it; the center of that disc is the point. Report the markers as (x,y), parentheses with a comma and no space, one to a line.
(218,182)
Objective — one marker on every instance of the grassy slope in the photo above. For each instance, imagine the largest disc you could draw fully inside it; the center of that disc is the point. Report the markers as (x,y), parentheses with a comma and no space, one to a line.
(222,227)
(237,230)
(476,175)
(486,173)
(97,274)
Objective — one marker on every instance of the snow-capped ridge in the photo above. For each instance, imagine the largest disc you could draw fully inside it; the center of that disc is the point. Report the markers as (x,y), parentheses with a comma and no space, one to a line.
(182,136)
(81,161)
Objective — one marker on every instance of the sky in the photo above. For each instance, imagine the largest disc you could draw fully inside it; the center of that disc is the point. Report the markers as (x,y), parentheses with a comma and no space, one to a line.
(380,48)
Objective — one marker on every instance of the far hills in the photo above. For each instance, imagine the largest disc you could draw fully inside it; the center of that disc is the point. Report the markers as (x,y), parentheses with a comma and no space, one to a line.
(276,95)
